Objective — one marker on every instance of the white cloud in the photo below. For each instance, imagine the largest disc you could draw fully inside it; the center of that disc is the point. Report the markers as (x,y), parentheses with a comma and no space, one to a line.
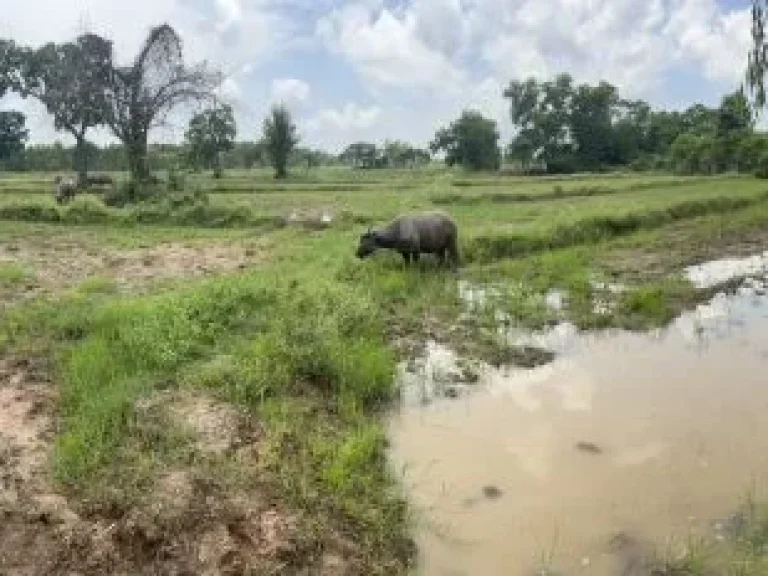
(230,90)
(348,118)
(230,13)
(716,41)
(386,48)
(291,91)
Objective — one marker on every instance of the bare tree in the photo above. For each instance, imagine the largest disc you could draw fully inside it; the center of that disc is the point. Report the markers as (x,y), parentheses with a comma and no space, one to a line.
(143,94)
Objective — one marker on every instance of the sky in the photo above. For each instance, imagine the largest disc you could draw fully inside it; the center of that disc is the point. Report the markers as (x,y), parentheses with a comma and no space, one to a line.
(400,69)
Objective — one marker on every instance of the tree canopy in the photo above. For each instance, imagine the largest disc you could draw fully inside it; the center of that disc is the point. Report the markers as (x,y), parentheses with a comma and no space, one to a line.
(13,134)
(11,59)
(471,142)
(563,127)
(72,81)
(210,133)
(280,137)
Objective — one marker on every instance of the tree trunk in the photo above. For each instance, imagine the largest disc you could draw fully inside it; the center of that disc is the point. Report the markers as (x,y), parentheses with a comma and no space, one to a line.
(138,163)
(81,162)
(217,171)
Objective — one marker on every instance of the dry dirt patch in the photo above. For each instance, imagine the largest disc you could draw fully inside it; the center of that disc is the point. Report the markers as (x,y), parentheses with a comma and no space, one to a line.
(60,263)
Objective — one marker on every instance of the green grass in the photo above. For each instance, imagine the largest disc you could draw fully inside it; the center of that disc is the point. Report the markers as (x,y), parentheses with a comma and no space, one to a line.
(12,274)
(307,343)
(318,386)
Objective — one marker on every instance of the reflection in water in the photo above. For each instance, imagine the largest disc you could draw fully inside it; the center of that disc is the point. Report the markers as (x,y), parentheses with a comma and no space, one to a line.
(676,419)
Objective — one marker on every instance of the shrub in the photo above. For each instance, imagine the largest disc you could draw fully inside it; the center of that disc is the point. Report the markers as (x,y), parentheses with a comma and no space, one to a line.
(87,210)
(131,191)
(762,166)
(30,212)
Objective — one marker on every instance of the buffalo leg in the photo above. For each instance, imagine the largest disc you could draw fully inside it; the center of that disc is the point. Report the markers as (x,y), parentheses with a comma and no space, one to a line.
(453,252)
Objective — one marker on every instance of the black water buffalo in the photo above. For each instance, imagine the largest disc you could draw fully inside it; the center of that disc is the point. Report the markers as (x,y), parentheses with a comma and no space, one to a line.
(65,189)
(415,234)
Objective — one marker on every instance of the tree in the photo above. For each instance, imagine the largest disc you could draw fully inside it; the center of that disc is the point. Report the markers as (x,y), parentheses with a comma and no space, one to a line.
(360,154)
(210,133)
(11,60)
(471,141)
(71,80)
(522,149)
(734,114)
(542,114)
(757,63)
(280,136)
(13,134)
(142,95)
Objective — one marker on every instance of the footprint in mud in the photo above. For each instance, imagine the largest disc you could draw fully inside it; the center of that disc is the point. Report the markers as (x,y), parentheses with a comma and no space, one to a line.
(589,448)
(492,492)
(489,492)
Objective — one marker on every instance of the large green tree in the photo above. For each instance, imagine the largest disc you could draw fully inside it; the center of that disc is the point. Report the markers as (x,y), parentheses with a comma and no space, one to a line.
(13,134)
(72,81)
(211,133)
(571,127)
(472,142)
(360,154)
(281,138)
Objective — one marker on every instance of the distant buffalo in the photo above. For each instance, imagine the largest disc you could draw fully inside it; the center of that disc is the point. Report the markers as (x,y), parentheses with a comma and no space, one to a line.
(65,189)
(415,234)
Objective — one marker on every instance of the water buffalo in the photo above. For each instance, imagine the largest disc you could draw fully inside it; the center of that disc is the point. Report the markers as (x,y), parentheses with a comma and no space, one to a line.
(414,234)
(65,189)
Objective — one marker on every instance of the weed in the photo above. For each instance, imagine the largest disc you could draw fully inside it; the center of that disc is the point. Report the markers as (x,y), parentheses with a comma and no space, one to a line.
(12,275)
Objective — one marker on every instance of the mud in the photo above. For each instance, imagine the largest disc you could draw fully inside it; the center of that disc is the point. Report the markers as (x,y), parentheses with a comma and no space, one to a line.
(607,457)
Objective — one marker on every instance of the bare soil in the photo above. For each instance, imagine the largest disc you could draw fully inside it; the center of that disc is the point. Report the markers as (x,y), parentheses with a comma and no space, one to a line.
(61,263)
(189,524)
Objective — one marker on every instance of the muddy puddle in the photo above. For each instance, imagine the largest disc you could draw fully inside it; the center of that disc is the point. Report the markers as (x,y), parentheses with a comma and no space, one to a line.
(617,451)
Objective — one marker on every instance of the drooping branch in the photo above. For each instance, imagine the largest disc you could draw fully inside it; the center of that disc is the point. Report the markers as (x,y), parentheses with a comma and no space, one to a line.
(144,93)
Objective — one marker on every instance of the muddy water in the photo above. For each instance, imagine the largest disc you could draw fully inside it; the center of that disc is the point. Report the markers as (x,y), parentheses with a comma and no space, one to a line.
(625,444)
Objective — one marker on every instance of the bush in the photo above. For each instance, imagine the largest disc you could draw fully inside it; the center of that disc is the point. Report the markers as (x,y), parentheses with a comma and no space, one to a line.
(176,179)
(762,166)
(30,212)
(87,210)
(131,191)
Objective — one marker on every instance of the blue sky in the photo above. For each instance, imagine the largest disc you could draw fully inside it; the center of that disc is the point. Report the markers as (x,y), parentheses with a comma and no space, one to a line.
(399,69)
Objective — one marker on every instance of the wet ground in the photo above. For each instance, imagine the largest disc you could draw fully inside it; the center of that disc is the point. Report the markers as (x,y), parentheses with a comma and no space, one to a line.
(611,455)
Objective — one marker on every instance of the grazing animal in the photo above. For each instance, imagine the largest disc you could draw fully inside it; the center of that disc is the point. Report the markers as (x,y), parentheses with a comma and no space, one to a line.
(415,234)
(65,189)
